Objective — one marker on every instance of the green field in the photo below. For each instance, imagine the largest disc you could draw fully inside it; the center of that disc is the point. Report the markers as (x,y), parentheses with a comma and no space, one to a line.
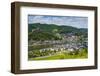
(63,55)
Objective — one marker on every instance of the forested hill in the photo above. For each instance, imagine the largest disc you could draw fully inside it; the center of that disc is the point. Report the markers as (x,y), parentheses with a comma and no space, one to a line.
(50,27)
(44,30)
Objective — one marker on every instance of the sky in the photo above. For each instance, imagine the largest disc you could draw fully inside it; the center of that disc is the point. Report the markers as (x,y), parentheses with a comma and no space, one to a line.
(74,21)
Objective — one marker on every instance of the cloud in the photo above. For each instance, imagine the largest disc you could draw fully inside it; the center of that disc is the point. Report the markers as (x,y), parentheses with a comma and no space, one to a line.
(79,22)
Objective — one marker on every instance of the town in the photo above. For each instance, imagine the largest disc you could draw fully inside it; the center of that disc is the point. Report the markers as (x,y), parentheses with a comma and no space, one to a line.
(50,41)
(70,44)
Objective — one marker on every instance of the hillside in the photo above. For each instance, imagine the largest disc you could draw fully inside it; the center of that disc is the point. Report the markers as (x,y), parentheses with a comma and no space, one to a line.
(39,31)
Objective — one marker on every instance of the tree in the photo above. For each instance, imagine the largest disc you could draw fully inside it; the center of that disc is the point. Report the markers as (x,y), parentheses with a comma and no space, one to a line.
(56,33)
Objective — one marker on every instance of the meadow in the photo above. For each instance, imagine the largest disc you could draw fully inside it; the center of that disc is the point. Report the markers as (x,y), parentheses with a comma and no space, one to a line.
(64,55)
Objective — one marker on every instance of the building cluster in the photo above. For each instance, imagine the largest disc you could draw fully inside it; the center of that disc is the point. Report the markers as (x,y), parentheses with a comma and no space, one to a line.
(69,43)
